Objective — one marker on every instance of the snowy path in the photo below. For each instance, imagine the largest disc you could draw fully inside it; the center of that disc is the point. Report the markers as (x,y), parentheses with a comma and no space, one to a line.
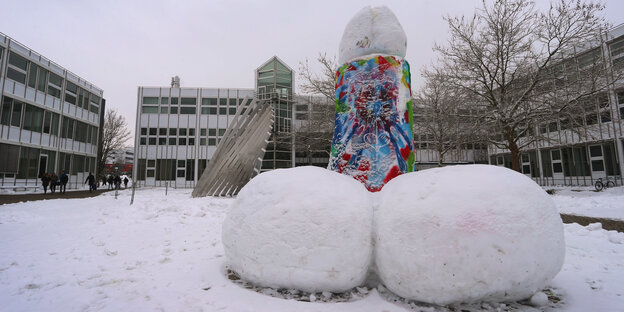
(164,253)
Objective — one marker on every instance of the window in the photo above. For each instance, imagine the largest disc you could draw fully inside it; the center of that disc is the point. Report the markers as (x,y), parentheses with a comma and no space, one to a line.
(149,109)
(212,132)
(143,131)
(174,110)
(188,101)
(151,173)
(209,101)
(56,80)
(141,169)
(46,122)
(16,75)
(232,110)
(591,119)
(202,131)
(187,110)
(221,132)
(557,167)
(181,163)
(605,116)
(173,131)
(552,127)
(9,157)
(174,100)
(165,169)
(222,110)
(222,102)
(190,169)
(191,141)
(18,61)
(595,151)
(164,110)
(162,141)
(172,141)
(202,141)
(212,142)
(182,131)
(182,141)
(191,132)
(16,116)
(152,141)
(152,131)
(33,118)
(6,111)
(42,79)
(162,131)
(150,100)
(164,100)
(32,76)
(180,173)
(597,165)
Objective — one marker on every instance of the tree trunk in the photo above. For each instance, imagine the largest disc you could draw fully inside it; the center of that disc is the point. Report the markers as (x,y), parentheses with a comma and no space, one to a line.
(440,158)
(513,148)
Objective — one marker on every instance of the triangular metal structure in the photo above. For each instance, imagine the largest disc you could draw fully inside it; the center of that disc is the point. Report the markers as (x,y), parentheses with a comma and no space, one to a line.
(239,154)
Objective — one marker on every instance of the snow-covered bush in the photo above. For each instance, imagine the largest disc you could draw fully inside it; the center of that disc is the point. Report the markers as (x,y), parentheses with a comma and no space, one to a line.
(306,228)
(467,233)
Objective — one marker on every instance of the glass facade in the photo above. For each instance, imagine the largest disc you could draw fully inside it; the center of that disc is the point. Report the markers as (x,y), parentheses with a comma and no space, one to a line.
(274,81)
(47,122)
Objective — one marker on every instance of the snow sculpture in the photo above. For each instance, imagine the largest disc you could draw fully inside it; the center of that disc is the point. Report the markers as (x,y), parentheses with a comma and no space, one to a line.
(306,228)
(373,140)
(467,233)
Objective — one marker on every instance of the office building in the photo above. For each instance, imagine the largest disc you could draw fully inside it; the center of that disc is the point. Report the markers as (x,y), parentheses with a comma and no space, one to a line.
(50,119)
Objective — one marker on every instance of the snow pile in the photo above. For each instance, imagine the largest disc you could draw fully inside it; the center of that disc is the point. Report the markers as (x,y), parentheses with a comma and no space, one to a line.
(372,31)
(465,234)
(306,228)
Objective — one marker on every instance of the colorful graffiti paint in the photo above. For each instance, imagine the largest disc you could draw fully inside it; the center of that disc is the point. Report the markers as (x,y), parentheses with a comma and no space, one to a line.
(373,140)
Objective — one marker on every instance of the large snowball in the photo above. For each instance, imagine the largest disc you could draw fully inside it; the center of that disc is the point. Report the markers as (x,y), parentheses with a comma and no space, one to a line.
(467,233)
(306,228)
(372,31)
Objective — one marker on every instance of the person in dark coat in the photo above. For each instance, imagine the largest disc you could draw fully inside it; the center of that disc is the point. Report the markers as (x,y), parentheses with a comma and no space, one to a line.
(91,180)
(117,182)
(110,182)
(64,178)
(103,181)
(125,180)
(45,181)
(53,182)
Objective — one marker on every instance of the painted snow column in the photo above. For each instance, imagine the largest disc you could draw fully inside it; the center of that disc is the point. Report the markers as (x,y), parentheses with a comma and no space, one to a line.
(373,140)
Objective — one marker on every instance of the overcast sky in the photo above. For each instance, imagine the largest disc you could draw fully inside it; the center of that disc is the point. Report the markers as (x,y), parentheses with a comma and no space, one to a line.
(120,45)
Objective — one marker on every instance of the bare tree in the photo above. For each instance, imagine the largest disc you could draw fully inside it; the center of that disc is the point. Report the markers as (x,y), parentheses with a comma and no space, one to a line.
(114,135)
(315,134)
(322,83)
(505,58)
(443,115)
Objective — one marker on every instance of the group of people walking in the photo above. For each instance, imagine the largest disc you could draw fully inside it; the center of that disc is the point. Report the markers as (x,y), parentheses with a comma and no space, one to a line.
(52,180)
(115,182)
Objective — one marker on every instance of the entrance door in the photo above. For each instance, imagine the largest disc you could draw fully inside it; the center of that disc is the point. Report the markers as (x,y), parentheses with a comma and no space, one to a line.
(43,164)
(597,161)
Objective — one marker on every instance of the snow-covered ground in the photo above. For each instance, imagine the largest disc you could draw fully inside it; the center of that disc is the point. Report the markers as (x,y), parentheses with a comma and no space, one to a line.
(586,202)
(164,253)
